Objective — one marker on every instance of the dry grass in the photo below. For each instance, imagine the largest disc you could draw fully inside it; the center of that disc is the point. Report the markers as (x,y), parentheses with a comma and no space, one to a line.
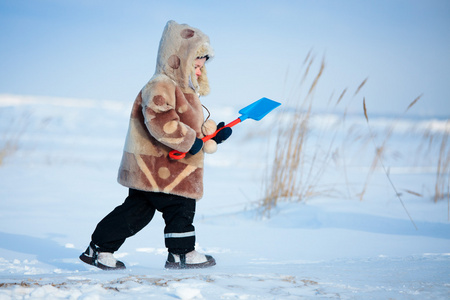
(440,139)
(291,138)
(301,159)
(7,149)
(443,170)
(295,172)
(11,135)
(379,160)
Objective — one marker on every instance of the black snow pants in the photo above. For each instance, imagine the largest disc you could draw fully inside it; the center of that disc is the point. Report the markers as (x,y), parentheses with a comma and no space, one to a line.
(138,210)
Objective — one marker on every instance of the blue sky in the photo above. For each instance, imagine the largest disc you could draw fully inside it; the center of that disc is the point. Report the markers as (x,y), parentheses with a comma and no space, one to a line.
(106,50)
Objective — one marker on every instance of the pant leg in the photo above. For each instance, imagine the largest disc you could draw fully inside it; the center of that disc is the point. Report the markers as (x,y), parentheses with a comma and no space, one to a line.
(123,222)
(178,213)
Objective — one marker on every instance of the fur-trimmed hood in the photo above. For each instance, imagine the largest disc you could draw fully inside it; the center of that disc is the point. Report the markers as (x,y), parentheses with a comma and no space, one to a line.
(180,45)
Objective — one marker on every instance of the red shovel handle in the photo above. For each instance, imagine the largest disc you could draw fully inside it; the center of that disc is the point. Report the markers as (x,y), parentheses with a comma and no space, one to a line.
(174,154)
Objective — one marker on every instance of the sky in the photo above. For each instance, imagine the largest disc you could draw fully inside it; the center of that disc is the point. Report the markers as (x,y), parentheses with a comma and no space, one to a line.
(106,50)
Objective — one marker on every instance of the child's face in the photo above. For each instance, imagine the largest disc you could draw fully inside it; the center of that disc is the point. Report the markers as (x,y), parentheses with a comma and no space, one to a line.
(198,65)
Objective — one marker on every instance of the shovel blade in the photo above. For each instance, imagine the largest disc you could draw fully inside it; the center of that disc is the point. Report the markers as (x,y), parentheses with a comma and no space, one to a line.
(258,109)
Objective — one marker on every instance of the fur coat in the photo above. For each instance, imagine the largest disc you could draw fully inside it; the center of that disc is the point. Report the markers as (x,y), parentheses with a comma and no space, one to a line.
(166,115)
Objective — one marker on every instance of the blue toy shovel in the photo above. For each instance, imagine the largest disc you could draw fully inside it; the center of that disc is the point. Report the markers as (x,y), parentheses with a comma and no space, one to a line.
(256,111)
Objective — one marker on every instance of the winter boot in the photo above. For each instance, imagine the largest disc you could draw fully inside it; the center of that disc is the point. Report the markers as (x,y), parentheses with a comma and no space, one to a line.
(191,260)
(102,260)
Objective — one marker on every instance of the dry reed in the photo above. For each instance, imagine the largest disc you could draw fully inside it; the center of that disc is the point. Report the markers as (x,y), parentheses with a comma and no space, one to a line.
(285,178)
(295,171)
(443,169)
(440,139)
(7,149)
(9,143)
(298,164)
(378,158)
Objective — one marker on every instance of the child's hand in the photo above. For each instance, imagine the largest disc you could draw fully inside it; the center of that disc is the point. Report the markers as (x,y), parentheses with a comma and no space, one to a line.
(198,145)
(223,134)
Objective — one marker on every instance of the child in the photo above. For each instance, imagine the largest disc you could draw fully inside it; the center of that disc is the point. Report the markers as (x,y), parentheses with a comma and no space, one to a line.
(167,115)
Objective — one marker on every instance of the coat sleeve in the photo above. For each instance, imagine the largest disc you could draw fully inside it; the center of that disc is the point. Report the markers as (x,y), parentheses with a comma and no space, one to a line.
(159,108)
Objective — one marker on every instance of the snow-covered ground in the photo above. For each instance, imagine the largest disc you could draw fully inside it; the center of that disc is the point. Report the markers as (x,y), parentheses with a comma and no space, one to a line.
(59,180)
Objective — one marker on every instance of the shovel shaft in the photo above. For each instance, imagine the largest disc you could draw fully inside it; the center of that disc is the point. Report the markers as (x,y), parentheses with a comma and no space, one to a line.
(256,111)
(174,154)
(235,122)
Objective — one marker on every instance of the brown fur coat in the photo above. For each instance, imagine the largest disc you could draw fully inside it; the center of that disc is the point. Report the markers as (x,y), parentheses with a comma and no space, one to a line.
(166,115)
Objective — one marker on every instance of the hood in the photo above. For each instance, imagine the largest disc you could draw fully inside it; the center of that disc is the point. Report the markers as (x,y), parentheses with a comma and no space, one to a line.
(180,45)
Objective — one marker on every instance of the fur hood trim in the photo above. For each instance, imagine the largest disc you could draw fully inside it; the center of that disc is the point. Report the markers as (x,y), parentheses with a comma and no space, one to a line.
(180,45)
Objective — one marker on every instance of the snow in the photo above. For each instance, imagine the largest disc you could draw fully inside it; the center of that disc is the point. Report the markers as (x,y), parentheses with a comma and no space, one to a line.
(59,180)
